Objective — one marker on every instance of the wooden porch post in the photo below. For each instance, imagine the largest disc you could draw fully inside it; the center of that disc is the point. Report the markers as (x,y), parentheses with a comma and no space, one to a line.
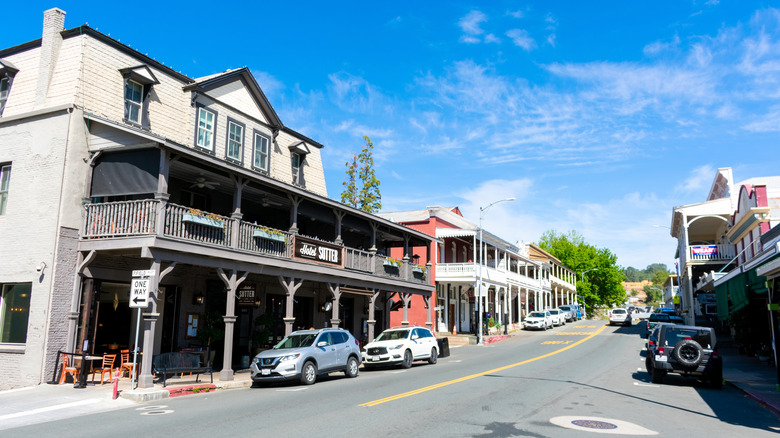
(371,320)
(231,283)
(335,289)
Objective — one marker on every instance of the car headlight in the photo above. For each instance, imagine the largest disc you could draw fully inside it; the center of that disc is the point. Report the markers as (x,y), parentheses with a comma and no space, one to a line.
(396,347)
(289,357)
(256,360)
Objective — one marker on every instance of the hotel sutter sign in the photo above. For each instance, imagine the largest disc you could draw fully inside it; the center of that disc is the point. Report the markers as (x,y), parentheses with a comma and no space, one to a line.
(316,251)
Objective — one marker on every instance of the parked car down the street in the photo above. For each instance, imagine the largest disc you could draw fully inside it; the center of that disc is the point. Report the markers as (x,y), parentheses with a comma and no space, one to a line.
(558,317)
(620,316)
(538,321)
(568,312)
(401,346)
(657,318)
(305,354)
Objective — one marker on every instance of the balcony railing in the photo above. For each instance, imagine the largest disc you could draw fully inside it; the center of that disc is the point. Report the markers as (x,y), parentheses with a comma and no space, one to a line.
(711,252)
(139,218)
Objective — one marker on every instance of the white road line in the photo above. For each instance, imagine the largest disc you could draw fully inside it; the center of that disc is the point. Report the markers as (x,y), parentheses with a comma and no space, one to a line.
(49,409)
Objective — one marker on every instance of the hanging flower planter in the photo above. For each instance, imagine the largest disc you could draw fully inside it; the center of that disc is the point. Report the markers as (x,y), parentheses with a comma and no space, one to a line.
(201,219)
(418,269)
(265,233)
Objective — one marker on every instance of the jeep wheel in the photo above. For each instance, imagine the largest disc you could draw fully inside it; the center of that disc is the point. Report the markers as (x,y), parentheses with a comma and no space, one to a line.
(688,353)
(649,365)
(433,358)
(656,375)
(407,362)
(352,367)
(309,373)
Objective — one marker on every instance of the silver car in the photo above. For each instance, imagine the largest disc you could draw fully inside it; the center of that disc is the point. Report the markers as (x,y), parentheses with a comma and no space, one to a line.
(305,354)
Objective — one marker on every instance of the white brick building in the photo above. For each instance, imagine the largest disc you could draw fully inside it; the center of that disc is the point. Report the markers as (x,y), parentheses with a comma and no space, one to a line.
(112,162)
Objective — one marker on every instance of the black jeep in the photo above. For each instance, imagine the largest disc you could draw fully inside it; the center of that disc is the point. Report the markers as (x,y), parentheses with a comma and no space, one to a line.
(691,351)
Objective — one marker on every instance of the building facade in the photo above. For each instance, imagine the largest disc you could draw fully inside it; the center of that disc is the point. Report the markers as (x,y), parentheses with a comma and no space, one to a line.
(116,167)
(509,279)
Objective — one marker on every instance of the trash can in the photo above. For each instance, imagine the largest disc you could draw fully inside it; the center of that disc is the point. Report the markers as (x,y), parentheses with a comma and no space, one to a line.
(444,347)
(244,362)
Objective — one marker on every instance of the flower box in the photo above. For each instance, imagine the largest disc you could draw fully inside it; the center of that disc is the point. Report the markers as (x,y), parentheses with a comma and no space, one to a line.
(418,269)
(391,262)
(268,234)
(202,220)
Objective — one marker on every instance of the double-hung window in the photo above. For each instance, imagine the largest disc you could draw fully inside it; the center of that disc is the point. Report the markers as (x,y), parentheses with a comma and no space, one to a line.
(138,83)
(207,121)
(235,140)
(14,312)
(260,159)
(5,179)
(133,101)
(297,169)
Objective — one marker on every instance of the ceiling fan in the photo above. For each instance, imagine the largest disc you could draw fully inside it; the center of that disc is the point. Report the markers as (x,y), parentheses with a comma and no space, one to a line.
(202,182)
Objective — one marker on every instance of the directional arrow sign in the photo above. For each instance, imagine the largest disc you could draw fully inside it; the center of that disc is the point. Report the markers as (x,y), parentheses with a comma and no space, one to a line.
(139,293)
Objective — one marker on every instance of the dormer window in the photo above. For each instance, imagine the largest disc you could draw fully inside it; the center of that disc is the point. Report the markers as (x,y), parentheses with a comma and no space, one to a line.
(298,152)
(7,73)
(138,83)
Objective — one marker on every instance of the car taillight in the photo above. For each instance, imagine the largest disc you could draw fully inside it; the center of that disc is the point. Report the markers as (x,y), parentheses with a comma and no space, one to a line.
(715,355)
(651,342)
(660,350)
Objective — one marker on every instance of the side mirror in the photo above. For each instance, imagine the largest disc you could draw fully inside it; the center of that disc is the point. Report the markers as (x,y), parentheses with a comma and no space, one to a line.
(322,344)
(415,337)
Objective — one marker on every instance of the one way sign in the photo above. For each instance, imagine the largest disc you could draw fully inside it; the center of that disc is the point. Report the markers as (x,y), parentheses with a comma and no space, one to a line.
(139,293)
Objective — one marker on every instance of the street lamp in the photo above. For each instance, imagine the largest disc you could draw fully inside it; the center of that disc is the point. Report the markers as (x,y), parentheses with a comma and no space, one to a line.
(478,286)
(582,276)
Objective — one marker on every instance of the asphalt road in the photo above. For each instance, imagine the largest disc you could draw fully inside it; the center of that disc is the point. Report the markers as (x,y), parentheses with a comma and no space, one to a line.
(577,380)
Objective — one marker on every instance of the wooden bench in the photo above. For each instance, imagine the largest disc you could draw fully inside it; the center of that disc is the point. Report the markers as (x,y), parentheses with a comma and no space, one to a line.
(167,364)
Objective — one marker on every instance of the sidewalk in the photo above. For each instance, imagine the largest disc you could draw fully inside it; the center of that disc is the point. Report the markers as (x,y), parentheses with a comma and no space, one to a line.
(48,402)
(756,379)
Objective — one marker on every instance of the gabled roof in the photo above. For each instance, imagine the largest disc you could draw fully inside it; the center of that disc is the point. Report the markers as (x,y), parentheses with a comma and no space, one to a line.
(212,81)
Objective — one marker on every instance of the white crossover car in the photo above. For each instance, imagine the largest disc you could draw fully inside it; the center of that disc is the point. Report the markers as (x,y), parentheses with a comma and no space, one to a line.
(401,346)
(538,321)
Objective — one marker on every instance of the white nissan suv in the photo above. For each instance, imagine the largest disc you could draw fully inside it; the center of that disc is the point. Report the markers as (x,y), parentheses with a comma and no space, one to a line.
(401,346)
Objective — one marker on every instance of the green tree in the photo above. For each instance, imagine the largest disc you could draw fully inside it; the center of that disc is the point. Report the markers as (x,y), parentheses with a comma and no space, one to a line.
(361,170)
(633,274)
(602,285)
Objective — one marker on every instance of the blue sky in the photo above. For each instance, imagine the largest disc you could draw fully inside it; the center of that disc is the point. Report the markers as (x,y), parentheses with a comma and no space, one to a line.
(598,117)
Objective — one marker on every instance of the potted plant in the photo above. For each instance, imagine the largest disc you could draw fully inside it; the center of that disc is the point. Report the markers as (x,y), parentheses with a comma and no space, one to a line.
(212,329)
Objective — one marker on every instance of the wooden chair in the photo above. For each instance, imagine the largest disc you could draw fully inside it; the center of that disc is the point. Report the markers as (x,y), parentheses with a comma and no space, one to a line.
(68,369)
(124,362)
(108,367)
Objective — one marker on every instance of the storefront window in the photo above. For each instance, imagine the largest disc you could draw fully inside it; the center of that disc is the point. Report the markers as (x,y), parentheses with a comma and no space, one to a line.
(14,313)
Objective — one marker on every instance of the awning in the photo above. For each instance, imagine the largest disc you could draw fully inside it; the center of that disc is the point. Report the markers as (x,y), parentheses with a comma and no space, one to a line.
(126,173)
(733,291)
(770,269)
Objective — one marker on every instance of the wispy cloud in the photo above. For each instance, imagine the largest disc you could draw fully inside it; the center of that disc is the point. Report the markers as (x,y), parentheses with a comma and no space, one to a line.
(354,94)
(471,25)
(521,38)
(699,179)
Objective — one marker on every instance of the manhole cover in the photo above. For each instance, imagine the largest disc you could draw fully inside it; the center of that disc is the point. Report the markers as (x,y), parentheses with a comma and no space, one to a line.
(601,425)
(163,412)
(593,424)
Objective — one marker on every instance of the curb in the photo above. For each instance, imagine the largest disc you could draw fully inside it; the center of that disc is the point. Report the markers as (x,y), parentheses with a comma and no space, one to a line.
(755,397)
(145,395)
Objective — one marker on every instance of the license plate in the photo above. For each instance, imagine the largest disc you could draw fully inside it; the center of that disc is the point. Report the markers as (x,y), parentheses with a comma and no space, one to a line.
(373,359)
(660,358)
(265,372)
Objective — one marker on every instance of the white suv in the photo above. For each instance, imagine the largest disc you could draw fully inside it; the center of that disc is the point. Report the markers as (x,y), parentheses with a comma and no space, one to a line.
(401,346)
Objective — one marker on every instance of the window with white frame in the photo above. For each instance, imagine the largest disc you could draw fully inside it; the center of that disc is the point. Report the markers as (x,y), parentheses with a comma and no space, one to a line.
(5,179)
(235,140)
(297,169)
(4,87)
(260,159)
(206,121)
(14,312)
(133,101)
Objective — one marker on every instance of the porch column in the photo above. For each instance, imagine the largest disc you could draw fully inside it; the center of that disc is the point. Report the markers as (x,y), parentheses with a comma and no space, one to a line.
(406,248)
(405,297)
(335,289)
(296,201)
(427,300)
(231,284)
(374,227)
(339,218)
(236,215)
(371,320)
(75,300)
(290,285)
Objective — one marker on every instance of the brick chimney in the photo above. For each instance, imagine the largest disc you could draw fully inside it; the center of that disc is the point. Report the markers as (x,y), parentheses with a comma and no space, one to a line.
(51,40)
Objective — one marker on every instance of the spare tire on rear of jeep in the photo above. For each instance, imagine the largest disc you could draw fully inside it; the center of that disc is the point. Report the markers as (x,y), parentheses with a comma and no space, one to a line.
(688,353)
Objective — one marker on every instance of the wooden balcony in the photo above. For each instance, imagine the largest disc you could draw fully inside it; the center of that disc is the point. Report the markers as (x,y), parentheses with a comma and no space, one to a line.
(118,220)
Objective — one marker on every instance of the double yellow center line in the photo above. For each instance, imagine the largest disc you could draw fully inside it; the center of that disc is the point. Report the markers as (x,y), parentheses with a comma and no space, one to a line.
(472,376)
